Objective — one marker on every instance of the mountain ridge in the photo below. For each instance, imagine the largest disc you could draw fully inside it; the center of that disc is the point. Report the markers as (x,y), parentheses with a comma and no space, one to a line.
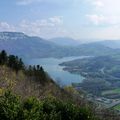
(35,47)
(65,41)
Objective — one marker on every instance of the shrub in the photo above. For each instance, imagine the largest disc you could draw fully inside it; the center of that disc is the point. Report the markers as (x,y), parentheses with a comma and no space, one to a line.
(9,106)
(12,108)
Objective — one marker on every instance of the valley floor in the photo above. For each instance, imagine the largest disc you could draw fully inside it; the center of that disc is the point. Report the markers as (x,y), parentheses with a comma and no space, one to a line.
(101,83)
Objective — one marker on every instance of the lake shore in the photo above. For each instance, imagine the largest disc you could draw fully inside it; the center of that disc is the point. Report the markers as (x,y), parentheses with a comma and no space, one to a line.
(51,65)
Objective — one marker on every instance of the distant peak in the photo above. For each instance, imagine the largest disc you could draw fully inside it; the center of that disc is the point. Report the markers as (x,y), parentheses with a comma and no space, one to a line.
(12,35)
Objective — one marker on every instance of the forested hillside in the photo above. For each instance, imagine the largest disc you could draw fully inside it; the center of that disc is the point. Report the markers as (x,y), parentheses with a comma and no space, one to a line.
(28,93)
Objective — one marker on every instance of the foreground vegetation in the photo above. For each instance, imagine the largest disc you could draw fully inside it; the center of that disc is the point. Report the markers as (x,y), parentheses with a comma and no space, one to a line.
(12,108)
(28,93)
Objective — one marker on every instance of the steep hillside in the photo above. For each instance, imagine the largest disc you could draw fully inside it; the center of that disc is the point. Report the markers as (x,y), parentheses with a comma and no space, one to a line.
(27,80)
(50,102)
(39,97)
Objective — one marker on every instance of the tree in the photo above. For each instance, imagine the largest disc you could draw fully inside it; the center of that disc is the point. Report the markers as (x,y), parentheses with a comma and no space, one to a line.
(38,67)
(11,61)
(21,64)
(3,57)
(15,63)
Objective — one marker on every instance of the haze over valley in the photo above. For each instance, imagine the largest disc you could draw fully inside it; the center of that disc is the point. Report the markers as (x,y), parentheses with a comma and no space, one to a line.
(59,60)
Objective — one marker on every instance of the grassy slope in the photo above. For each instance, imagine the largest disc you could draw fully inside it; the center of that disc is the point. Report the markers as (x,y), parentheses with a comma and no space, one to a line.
(117,107)
(28,86)
(114,91)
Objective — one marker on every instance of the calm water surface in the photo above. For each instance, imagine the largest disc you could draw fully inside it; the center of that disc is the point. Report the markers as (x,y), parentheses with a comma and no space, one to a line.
(51,65)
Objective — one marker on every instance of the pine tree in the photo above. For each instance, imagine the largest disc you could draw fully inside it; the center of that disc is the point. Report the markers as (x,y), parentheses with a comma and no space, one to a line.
(3,57)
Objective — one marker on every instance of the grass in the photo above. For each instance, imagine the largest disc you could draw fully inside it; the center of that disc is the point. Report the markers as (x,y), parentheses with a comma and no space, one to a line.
(117,107)
(114,91)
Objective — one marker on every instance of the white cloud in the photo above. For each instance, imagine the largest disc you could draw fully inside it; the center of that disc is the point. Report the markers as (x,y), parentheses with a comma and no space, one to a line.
(59,2)
(110,7)
(96,19)
(27,2)
(104,12)
(56,19)
(47,28)
(98,3)
(4,26)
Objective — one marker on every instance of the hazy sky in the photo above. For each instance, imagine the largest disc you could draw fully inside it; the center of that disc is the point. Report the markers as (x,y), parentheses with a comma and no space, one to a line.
(93,19)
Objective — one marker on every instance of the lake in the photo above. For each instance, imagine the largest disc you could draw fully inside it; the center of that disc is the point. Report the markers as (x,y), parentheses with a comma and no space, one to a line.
(51,65)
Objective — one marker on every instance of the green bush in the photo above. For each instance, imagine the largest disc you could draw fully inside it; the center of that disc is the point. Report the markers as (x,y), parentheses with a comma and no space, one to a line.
(9,106)
(31,110)
(12,108)
(65,111)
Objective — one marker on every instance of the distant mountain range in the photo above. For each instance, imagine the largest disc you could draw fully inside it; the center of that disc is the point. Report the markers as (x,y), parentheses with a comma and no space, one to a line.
(21,44)
(36,47)
(65,41)
(115,44)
